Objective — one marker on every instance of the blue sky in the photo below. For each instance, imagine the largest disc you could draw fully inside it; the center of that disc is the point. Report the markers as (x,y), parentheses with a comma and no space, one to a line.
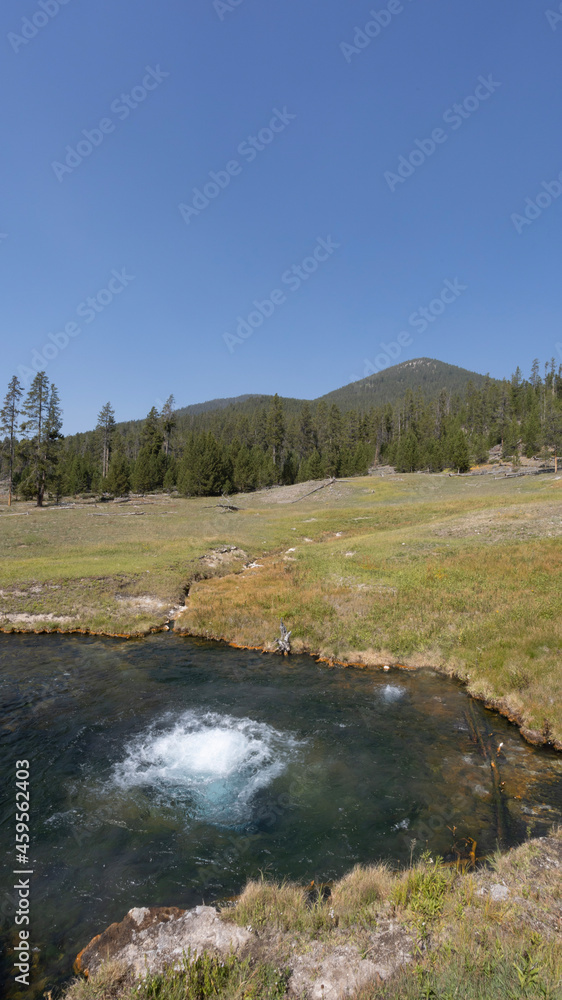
(334,98)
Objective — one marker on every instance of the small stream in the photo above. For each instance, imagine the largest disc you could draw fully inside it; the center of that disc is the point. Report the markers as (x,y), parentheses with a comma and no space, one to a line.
(168,771)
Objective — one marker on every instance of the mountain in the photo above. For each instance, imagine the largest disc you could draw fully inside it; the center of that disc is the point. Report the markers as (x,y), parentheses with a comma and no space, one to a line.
(388,386)
(212,404)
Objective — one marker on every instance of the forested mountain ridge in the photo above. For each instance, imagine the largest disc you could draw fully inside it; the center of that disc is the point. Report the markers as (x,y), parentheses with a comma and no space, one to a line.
(381,388)
(213,404)
(387,386)
(262,440)
(391,384)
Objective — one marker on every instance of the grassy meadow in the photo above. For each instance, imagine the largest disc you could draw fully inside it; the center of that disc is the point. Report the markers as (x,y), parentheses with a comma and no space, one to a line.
(459,573)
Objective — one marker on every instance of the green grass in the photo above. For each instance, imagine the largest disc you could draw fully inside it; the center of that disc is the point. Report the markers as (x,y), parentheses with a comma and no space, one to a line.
(465,945)
(457,573)
(200,978)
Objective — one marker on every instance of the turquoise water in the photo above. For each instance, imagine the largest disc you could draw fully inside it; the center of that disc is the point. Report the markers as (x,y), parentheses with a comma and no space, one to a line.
(168,771)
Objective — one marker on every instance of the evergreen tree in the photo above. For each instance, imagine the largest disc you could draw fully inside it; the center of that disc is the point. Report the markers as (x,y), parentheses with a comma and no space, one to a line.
(479,447)
(150,466)
(315,466)
(408,453)
(171,477)
(553,428)
(276,431)
(459,454)
(53,428)
(105,428)
(334,441)
(244,472)
(8,425)
(305,443)
(290,468)
(118,477)
(535,379)
(531,430)
(168,422)
(35,409)
(511,440)
(78,478)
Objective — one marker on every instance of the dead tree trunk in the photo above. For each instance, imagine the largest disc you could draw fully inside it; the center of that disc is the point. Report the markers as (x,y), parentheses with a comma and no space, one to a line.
(283,644)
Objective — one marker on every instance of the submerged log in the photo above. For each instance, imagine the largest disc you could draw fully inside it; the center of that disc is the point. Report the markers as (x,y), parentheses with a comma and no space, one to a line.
(283,643)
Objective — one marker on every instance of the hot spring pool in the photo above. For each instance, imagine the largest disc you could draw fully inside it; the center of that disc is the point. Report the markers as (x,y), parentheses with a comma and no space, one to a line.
(168,771)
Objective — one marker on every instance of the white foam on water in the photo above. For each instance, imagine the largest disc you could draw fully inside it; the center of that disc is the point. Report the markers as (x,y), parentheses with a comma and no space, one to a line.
(211,765)
(392,692)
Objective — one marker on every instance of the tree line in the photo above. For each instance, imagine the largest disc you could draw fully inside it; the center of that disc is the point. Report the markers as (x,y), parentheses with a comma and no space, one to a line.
(248,447)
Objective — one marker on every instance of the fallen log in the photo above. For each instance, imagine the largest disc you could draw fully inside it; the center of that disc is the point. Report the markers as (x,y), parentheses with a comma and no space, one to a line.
(221,506)
(329,483)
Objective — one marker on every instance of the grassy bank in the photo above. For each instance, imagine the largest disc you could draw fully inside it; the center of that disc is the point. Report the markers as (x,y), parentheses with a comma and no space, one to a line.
(458,573)
(473,935)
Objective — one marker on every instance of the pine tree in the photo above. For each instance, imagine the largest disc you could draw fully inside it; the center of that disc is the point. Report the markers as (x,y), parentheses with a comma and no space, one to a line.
(459,454)
(168,422)
(511,440)
(35,410)
(276,430)
(105,428)
(78,478)
(306,432)
(53,427)
(535,379)
(244,471)
(171,477)
(204,471)
(531,430)
(8,425)
(408,453)
(118,481)
(150,466)
(553,428)
(315,466)
(334,441)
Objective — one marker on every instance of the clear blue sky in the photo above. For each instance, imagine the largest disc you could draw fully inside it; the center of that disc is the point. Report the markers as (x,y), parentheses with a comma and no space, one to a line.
(66,228)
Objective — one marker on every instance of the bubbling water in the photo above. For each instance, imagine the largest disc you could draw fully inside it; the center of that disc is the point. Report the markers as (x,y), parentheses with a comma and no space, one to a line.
(392,692)
(209,765)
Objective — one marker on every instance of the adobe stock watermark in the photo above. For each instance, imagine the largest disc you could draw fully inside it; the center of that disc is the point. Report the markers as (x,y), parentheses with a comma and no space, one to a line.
(420,320)
(534,208)
(220,179)
(31,26)
(378,21)
(88,310)
(224,7)
(293,278)
(454,117)
(554,17)
(93,137)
